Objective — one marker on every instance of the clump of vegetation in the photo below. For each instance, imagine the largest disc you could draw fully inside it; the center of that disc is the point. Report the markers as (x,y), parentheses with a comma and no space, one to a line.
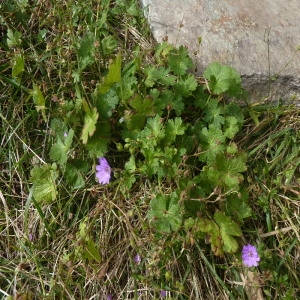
(126,176)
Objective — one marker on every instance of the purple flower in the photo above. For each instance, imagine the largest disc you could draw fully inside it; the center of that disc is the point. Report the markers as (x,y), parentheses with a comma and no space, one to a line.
(137,259)
(103,171)
(163,293)
(54,98)
(250,256)
(109,297)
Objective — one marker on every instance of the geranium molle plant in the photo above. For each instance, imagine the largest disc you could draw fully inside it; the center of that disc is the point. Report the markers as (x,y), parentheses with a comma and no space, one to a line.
(103,171)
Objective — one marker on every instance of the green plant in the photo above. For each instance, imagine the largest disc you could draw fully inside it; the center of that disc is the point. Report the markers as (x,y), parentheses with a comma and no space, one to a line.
(192,180)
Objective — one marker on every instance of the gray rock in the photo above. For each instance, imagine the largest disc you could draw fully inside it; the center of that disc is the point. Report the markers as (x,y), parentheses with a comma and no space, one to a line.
(258,38)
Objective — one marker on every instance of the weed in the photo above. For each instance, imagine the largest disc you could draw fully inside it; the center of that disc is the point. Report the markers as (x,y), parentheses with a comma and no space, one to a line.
(190,176)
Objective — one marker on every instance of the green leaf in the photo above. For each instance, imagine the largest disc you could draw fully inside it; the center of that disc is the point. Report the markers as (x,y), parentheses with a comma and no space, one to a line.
(224,172)
(90,251)
(83,230)
(193,191)
(143,107)
(160,75)
(58,152)
(231,149)
(235,110)
(165,213)
(134,121)
(106,103)
(38,97)
(128,87)
(97,144)
(13,38)
(130,165)
(201,97)
(42,34)
(113,76)
(174,127)
(60,149)
(228,230)
(214,113)
(231,127)
(86,248)
(223,79)
(221,233)
(114,70)
(172,101)
(76,76)
(186,86)
(152,165)
(39,100)
(213,235)
(188,223)
(58,128)
(90,120)
(43,179)
(153,132)
(109,44)
(18,66)
(237,206)
(231,168)
(212,141)
(179,61)
(158,103)
(74,177)
(162,50)
(86,50)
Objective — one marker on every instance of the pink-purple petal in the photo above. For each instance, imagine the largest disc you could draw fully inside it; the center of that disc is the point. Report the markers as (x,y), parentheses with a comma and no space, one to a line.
(250,256)
(103,171)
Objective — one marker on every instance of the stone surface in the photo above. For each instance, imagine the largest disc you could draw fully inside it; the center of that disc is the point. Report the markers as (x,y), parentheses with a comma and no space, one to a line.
(258,38)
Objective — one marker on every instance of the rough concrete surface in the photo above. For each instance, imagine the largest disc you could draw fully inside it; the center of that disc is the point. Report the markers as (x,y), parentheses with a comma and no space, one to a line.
(258,38)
